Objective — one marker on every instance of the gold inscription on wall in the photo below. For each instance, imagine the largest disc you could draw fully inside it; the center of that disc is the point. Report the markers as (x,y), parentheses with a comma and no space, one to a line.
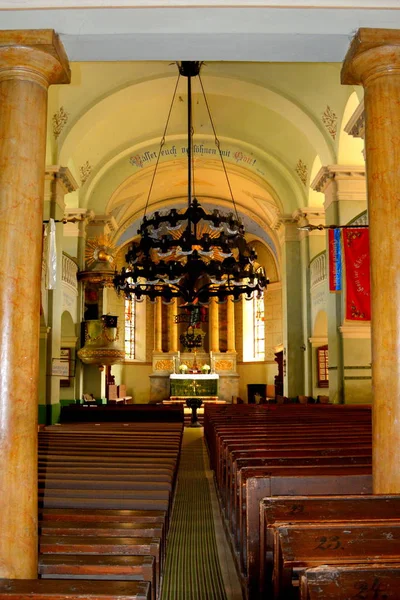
(223,365)
(164,365)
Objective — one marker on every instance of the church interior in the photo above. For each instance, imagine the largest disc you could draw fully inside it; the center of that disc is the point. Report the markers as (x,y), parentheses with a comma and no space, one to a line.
(200,392)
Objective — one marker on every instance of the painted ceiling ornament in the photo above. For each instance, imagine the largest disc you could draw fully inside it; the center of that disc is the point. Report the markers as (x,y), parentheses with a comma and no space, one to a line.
(85,171)
(329,119)
(60,119)
(99,249)
(302,171)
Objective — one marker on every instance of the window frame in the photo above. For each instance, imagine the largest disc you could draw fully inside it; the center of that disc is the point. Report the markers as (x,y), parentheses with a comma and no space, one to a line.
(130,327)
(323,366)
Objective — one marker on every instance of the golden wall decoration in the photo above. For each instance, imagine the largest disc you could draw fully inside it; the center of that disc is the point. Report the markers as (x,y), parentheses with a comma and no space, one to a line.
(329,119)
(164,365)
(85,171)
(224,365)
(302,171)
(59,119)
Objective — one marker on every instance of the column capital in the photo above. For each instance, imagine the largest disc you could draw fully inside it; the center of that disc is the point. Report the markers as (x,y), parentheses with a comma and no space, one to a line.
(63,176)
(310,215)
(106,223)
(327,174)
(76,228)
(356,125)
(372,53)
(341,183)
(288,229)
(33,55)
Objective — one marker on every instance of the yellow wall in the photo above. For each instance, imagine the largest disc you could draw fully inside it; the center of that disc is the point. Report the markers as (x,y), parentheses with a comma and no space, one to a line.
(136,376)
(255,372)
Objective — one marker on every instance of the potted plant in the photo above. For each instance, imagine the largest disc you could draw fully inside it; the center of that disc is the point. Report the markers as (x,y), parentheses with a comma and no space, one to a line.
(206,369)
(183,369)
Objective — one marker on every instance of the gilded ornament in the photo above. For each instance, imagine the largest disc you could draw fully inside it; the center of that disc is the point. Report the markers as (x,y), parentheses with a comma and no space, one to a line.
(223,365)
(99,249)
(59,119)
(302,171)
(329,119)
(85,171)
(164,365)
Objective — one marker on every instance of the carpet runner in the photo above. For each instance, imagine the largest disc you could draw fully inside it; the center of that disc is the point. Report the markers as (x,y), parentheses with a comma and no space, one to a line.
(192,570)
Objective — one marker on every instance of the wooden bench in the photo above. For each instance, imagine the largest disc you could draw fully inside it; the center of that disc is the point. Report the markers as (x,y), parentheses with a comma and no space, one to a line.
(48,589)
(321,480)
(101,516)
(295,461)
(92,567)
(107,529)
(364,582)
(126,546)
(281,510)
(299,456)
(298,547)
(122,413)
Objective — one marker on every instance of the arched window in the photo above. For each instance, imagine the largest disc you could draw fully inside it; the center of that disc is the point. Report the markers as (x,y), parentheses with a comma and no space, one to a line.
(259,328)
(130,328)
(253,329)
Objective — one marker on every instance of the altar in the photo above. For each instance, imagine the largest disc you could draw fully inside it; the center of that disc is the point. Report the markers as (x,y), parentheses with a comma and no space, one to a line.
(194,385)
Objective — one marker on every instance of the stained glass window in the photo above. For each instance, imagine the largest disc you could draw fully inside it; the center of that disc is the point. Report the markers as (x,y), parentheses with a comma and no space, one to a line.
(130,328)
(259,328)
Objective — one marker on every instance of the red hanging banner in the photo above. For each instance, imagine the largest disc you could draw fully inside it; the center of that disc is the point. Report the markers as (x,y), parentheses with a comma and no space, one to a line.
(358,283)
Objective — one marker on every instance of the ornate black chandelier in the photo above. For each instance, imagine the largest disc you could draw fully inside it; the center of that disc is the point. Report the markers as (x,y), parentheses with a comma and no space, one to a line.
(191,254)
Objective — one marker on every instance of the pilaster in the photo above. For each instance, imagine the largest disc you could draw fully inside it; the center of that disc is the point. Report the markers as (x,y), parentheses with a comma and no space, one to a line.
(345,193)
(292,300)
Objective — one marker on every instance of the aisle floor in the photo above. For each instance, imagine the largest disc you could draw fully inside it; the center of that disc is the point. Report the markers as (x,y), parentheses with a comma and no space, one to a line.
(199,564)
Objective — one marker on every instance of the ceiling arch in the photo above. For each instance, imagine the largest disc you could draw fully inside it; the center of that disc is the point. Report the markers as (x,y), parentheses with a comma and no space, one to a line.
(259,120)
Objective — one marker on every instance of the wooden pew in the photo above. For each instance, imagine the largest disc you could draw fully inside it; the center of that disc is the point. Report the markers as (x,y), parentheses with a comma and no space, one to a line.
(101,516)
(107,529)
(306,461)
(95,471)
(295,457)
(281,510)
(100,567)
(78,545)
(283,441)
(319,480)
(298,547)
(48,589)
(364,582)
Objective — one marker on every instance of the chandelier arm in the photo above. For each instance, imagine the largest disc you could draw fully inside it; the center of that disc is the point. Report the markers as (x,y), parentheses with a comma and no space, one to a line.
(161,145)
(217,143)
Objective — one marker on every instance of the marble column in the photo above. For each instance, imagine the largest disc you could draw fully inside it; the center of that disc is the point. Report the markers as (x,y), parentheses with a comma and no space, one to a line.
(173,327)
(214,325)
(158,325)
(373,60)
(29,62)
(230,323)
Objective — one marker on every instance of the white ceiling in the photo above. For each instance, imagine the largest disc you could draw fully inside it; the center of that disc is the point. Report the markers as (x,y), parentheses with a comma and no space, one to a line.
(235,30)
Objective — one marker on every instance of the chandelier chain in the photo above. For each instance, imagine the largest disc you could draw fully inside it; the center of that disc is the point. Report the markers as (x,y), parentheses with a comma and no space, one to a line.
(161,145)
(218,145)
